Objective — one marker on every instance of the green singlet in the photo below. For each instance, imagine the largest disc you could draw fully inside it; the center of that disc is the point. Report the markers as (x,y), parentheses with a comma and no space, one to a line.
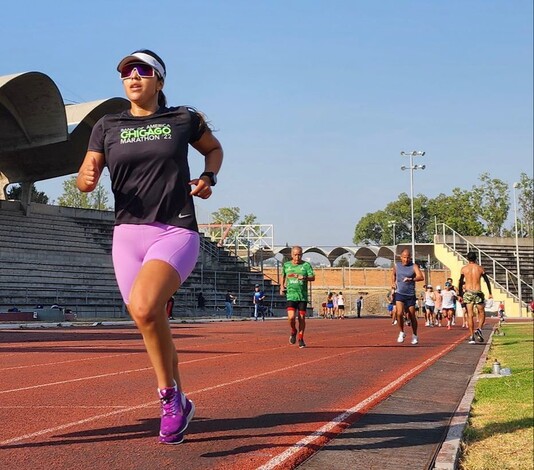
(297,289)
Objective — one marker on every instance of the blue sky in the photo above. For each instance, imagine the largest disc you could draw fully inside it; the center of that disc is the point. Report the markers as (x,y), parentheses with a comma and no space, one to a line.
(313,100)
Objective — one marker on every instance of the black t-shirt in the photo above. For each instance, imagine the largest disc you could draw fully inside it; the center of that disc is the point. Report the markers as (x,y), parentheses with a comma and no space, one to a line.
(147,161)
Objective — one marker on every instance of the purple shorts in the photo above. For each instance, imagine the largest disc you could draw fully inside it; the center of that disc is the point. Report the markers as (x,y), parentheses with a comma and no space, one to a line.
(134,245)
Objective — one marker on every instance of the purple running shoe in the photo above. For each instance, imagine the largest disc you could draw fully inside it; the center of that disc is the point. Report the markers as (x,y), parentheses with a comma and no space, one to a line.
(176,413)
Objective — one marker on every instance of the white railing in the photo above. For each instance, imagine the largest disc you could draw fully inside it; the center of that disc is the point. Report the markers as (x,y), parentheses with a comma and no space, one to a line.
(452,239)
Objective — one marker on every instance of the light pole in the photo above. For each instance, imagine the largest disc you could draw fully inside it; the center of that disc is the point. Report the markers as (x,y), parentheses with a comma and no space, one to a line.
(515,186)
(412,167)
(392,223)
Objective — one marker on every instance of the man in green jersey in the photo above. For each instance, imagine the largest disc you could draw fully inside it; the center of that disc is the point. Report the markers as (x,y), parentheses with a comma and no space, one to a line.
(296,274)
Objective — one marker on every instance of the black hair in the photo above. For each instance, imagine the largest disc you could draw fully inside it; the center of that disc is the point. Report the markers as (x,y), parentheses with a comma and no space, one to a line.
(471,256)
(162,99)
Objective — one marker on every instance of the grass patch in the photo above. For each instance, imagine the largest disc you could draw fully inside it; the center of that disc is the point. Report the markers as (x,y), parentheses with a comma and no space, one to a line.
(500,433)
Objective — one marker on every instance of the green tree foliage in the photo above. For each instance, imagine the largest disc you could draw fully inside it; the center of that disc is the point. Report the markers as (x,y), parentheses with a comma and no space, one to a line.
(225,215)
(457,211)
(15,192)
(73,197)
(376,228)
(481,211)
(342,262)
(492,200)
(401,211)
(249,219)
(229,215)
(369,230)
(222,216)
(525,203)
(99,198)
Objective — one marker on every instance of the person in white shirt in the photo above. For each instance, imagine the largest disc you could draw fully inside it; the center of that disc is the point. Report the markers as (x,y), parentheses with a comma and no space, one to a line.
(448,303)
(341,305)
(429,305)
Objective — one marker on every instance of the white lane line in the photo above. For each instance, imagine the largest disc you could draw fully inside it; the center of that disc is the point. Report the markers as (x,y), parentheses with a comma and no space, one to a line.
(94,377)
(66,362)
(327,428)
(80,379)
(185,349)
(75,423)
(182,363)
(152,403)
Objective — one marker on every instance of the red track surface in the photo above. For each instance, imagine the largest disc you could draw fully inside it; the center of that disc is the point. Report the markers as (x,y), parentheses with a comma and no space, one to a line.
(84,398)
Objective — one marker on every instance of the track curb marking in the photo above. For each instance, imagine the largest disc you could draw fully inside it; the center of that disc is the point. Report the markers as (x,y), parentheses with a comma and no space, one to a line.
(449,454)
(344,420)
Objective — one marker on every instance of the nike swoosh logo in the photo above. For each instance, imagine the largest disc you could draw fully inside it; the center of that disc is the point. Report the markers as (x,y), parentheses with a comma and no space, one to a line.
(183,216)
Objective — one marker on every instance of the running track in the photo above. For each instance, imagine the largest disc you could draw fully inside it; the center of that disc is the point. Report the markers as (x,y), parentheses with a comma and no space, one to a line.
(83,398)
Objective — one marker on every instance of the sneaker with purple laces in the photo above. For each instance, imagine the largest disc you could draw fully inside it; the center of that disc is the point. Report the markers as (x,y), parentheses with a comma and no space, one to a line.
(176,413)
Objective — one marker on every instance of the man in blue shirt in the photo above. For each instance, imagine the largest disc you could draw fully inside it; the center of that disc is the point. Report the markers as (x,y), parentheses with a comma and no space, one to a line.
(403,278)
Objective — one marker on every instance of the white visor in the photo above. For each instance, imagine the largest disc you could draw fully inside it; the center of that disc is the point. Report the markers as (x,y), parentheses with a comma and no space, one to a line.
(146,59)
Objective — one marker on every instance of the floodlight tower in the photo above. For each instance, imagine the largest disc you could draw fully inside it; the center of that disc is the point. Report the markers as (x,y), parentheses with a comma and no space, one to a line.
(413,167)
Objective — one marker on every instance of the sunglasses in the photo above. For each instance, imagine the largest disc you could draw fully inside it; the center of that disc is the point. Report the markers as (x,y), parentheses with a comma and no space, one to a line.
(143,70)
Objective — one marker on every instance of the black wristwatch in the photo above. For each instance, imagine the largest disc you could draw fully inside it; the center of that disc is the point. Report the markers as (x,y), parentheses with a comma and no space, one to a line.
(212,176)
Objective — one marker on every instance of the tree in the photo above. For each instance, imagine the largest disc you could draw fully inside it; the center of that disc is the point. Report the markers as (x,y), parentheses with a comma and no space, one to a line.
(229,216)
(464,211)
(15,192)
(457,211)
(73,197)
(223,216)
(249,219)
(369,230)
(226,215)
(525,203)
(99,198)
(493,203)
(401,211)
(374,228)
(342,262)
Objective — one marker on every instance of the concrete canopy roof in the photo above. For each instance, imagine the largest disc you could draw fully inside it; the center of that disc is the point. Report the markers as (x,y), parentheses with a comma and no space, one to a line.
(31,112)
(369,254)
(35,143)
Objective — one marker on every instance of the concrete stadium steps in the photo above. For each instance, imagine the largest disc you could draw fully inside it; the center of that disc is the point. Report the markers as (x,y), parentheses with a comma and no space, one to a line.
(495,249)
(505,256)
(214,284)
(57,255)
(91,235)
(42,278)
(78,249)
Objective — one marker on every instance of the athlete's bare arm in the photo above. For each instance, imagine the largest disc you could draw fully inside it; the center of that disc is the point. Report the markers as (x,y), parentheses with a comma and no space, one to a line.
(419,276)
(90,171)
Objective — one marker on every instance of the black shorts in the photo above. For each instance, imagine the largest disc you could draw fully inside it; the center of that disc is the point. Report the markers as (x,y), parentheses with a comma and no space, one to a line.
(407,300)
(299,305)
(341,307)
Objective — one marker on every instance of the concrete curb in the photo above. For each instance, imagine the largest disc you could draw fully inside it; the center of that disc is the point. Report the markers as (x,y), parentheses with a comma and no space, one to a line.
(449,453)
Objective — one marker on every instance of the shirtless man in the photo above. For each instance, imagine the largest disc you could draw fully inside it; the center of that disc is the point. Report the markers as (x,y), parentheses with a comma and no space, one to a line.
(471,294)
